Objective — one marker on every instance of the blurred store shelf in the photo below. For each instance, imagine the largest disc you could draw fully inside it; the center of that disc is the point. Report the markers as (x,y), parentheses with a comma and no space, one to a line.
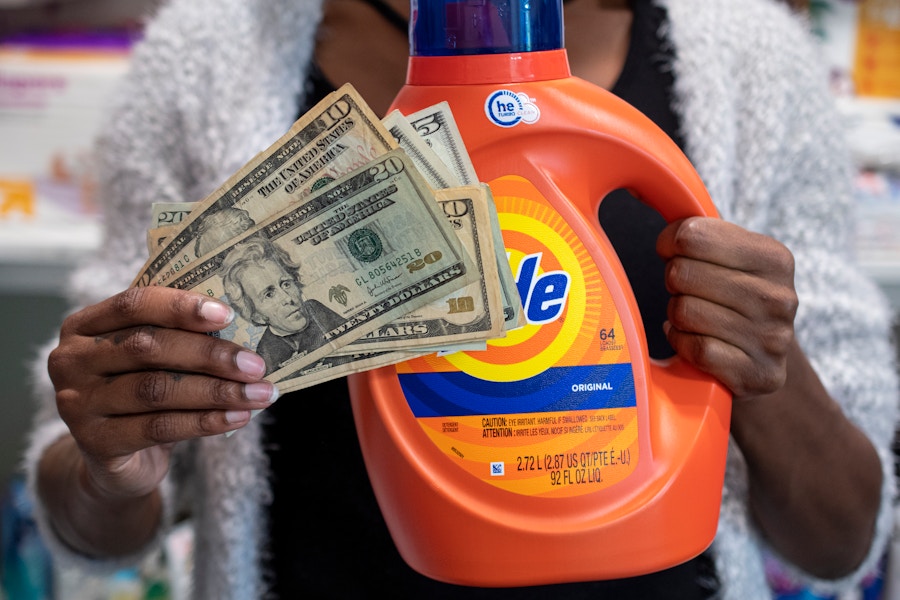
(37,258)
(17,16)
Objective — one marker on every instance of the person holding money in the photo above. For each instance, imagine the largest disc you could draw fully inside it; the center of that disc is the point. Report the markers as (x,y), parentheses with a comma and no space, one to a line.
(263,286)
(767,299)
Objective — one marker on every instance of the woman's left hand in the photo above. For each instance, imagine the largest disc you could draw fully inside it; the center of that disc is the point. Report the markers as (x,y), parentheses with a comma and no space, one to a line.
(733,302)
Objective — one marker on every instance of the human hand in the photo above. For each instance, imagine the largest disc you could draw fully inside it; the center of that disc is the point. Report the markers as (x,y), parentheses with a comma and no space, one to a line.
(137,373)
(733,302)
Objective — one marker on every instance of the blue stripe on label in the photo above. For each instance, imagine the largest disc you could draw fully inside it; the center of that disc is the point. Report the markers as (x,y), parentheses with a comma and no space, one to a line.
(556,389)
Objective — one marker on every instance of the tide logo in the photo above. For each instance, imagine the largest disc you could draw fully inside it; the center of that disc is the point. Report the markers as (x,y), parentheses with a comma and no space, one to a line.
(543,296)
(568,309)
(563,295)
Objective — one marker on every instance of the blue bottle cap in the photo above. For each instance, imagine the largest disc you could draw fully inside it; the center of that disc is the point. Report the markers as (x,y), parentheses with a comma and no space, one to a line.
(465,27)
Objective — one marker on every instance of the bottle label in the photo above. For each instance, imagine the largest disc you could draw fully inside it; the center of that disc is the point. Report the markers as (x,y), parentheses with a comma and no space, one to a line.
(549,410)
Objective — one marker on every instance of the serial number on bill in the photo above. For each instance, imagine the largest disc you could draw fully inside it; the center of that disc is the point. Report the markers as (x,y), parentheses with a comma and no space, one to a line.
(386,267)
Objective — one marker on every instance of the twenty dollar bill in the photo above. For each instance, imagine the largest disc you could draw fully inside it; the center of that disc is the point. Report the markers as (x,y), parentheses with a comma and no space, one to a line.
(361,252)
(338,135)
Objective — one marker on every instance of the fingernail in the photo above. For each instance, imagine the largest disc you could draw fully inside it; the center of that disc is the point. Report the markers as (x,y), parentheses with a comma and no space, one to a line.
(250,364)
(237,416)
(216,312)
(261,392)
(667,327)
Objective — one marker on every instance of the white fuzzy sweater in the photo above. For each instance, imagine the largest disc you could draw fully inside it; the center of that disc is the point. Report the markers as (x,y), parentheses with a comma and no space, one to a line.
(216,81)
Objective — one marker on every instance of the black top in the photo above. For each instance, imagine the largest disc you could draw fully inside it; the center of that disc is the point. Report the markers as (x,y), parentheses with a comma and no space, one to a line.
(327,536)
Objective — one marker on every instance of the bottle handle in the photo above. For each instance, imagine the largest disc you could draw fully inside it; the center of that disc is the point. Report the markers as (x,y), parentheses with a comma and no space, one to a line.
(650,166)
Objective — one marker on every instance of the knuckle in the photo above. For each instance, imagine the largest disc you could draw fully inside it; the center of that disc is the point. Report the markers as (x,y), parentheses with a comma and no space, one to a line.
(67,403)
(671,276)
(59,362)
(777,341)
(70,325)
(701,353)
(743,381)
(224,392)
(679,312)
(209,423)
(758,379)
(75,322)
(682,235)
(212,350)
(775,381)
(696,349)
(186,303)
(130,302)
(768,380)
(736,387)
(677,275)
(688,235)
(160,428)
(163,428)
(216,352)
(141,341)
(151,388)
(788,304)
(784,259)
(779,261)
(780,303)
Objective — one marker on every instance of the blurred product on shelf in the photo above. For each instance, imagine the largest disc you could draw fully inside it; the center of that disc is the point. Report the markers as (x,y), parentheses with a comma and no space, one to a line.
(54,89)
(25,564)
(878,226)
(861,47)
(873,130)
(163,575)
(784,587)
(28,573)
(877,61)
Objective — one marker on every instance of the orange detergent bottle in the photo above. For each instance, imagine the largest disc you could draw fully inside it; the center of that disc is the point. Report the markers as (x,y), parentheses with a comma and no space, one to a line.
(563,452)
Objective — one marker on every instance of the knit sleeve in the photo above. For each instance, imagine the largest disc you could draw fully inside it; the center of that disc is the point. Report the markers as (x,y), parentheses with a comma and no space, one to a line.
(762,130)
(211,83)
(138,162)
(844,320)
(798,170)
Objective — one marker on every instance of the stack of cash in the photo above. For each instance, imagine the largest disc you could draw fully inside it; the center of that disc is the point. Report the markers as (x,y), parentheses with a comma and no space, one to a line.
(351,243)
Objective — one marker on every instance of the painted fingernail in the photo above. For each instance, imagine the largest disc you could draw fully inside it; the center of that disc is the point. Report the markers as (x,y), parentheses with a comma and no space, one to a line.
(250,364)
(216,312)
(261,392)
(237,416)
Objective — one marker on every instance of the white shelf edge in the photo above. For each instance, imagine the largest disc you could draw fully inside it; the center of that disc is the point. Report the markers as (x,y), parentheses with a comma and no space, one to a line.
(37,259)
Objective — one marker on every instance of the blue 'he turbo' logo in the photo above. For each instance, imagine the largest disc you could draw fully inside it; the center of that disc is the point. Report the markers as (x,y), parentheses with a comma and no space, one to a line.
(507,108)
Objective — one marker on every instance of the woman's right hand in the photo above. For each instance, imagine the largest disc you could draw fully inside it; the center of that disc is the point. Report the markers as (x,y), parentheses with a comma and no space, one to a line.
(136,373)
